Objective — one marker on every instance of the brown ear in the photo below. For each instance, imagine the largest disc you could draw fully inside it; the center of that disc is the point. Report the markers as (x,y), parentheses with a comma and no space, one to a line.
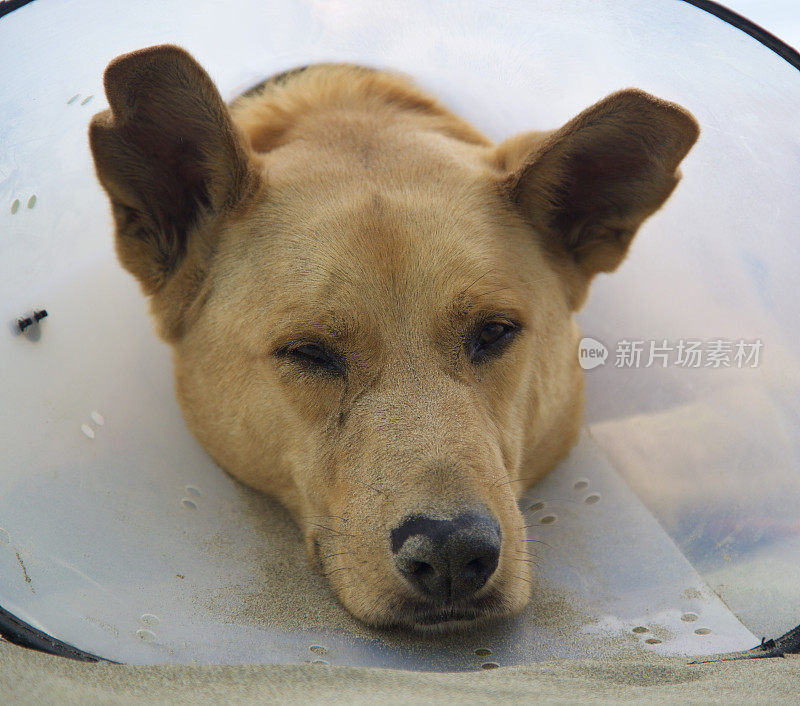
(171,161)
(587,187)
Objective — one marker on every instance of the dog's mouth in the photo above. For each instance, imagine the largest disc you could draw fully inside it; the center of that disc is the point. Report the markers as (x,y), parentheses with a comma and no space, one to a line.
(426,616)
(442,618)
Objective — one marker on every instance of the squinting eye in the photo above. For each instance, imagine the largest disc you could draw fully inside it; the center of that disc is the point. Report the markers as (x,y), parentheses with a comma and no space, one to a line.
(491,339)
(317,357)
(491,333)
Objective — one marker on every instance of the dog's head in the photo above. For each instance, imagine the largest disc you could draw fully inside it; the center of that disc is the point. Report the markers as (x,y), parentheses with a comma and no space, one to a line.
(371,305)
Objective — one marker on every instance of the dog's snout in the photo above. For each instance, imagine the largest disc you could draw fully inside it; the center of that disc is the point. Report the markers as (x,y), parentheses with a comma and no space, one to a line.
(447,560)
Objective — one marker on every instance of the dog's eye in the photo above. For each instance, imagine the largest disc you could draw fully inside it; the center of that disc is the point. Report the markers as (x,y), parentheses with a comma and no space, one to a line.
(317,357)
(490,339)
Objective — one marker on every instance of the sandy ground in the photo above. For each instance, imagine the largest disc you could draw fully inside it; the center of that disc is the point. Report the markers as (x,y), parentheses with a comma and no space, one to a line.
(28,677)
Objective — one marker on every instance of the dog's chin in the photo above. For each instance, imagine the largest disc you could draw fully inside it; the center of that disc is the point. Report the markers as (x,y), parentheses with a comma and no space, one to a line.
(447,621)
(427,618)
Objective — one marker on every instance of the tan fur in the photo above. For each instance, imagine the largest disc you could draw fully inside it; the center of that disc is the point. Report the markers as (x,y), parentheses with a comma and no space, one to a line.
(342,205)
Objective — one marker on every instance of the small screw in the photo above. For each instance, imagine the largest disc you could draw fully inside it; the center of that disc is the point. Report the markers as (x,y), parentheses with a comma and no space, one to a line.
(26,321)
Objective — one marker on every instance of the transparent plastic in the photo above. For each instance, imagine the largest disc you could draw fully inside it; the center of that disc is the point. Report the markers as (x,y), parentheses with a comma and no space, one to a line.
(673,526)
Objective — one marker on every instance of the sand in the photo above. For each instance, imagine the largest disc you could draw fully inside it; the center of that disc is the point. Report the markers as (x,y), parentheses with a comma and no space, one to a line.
(311,604)
(28,677)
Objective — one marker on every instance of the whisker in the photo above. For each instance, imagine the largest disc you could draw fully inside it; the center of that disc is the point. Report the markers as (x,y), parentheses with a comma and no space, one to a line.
(331,530)
(373,488)
(527,553)
(561,500)
(338,517)
(330,556)
(316,524)
(464,291)
(520,479)
(539,541)
(333,571)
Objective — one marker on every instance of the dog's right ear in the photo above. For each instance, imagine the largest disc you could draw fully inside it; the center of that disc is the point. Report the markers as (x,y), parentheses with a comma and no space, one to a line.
(172,163)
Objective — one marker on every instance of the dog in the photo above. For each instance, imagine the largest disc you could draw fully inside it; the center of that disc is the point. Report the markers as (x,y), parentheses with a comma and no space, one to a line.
(370,304)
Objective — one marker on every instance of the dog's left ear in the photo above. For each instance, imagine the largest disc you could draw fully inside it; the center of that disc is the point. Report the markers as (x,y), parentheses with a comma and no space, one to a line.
(587,187)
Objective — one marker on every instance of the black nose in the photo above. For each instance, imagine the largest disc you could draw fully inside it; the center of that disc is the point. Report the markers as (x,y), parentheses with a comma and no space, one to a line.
(448,560)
